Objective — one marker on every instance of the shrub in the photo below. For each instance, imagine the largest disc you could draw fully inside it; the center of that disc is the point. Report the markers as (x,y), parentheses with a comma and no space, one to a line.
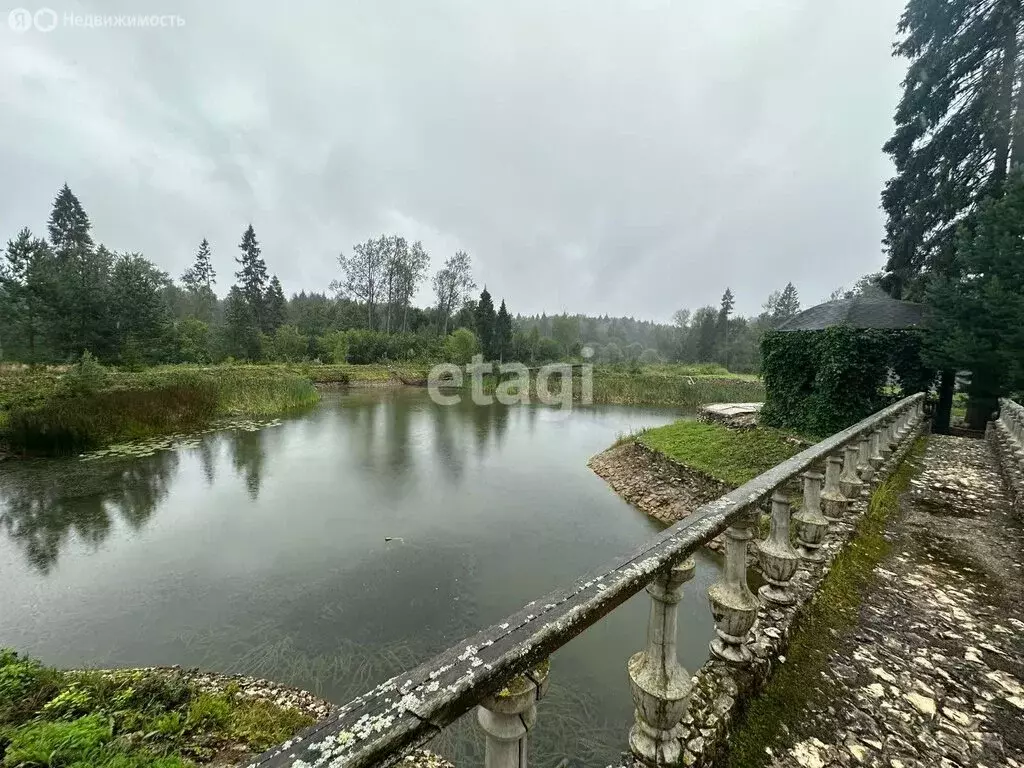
(25,685)
(460,346)
(86,377)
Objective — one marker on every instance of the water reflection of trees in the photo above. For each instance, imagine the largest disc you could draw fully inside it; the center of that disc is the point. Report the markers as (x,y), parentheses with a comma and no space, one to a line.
(382,428)
(44,503)
(247,457)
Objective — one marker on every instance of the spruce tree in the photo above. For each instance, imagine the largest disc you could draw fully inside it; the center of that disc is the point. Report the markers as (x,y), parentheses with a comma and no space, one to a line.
(26,278)
(82,320)
(722,331)
(241,331)
(201,274)
(484,319)
(959,128)
(788,304)
(199,280)
(978,318)
(275,307)
(142,318)
(502,333)
(252,274)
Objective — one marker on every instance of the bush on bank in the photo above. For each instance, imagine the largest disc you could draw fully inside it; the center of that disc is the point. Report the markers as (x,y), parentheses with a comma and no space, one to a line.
(127,719)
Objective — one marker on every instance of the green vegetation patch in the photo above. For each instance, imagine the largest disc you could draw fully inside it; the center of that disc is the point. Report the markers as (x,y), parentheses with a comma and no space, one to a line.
(730,455)
(127,719)
(87,406)
(832,611)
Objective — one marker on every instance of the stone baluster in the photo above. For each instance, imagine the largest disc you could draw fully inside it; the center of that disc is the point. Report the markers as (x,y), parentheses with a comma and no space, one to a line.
(875,457)
(507,717)
(849,482)
(835,502)
(778,559)
(886,441)
(660,685)
(864,468)
(906,427)
(810,522)
(733,605)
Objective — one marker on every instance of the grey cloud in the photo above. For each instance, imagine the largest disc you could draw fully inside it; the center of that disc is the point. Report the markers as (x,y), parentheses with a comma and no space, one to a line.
(628,158)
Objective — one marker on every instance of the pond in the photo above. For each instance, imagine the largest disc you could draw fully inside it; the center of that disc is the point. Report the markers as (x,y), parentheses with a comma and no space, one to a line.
(266,551)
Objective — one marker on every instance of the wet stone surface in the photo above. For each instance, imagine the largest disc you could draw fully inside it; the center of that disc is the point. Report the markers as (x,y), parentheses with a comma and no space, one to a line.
(934,673)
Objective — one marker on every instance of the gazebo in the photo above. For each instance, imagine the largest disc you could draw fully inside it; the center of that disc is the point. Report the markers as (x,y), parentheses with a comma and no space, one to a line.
(881,312)
(829,366)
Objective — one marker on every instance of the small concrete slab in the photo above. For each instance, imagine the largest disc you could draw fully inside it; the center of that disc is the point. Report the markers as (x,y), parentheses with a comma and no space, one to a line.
(736,415)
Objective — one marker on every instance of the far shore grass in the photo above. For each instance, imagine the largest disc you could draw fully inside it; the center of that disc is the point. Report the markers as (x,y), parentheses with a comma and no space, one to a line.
(729,455)
(62,410)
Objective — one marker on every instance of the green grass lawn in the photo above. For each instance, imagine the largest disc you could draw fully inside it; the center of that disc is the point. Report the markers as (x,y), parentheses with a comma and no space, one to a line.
(732,456)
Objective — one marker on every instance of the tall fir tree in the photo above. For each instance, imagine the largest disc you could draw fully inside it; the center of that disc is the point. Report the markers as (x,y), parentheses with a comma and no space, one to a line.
(977,320)
(241,332)
(252,274)
(141,317)
(199,280)
(722,331)
(26,277)
(502,333)
(81,304)
(275,307)
(484,318)
(959,128)
(201,274)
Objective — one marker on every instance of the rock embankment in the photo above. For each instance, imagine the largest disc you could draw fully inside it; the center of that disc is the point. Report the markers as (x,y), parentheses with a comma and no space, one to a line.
(664,489)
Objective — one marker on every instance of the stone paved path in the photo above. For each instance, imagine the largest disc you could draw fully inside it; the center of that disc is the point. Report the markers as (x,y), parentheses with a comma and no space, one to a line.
(934,673)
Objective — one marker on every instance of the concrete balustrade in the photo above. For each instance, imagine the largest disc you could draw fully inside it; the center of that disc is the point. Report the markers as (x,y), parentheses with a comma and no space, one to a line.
(776,555)
(834,502)
(660,685)
(864,469)
(733,605)
(810,522)
(511,657)
(849,481)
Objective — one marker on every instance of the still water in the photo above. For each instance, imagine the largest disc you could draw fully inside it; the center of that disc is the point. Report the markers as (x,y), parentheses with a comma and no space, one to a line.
(264,552)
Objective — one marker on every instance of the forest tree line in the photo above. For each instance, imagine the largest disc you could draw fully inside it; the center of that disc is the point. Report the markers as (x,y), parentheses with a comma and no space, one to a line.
(64,294)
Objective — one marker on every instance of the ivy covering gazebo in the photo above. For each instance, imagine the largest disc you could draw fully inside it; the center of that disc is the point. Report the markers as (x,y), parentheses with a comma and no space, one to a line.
(833,364)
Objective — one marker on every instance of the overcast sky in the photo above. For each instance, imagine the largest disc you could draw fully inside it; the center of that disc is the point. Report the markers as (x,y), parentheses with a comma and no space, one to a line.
(628,157)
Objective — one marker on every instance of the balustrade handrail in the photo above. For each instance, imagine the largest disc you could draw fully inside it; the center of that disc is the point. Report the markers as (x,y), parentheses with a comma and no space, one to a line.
(377,728)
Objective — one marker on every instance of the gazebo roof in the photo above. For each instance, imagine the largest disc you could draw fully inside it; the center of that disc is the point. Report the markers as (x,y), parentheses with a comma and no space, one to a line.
(876,311)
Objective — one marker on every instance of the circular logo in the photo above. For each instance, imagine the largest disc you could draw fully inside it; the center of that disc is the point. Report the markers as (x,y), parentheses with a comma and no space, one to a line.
(45,19)
(588,352)
(20,20)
